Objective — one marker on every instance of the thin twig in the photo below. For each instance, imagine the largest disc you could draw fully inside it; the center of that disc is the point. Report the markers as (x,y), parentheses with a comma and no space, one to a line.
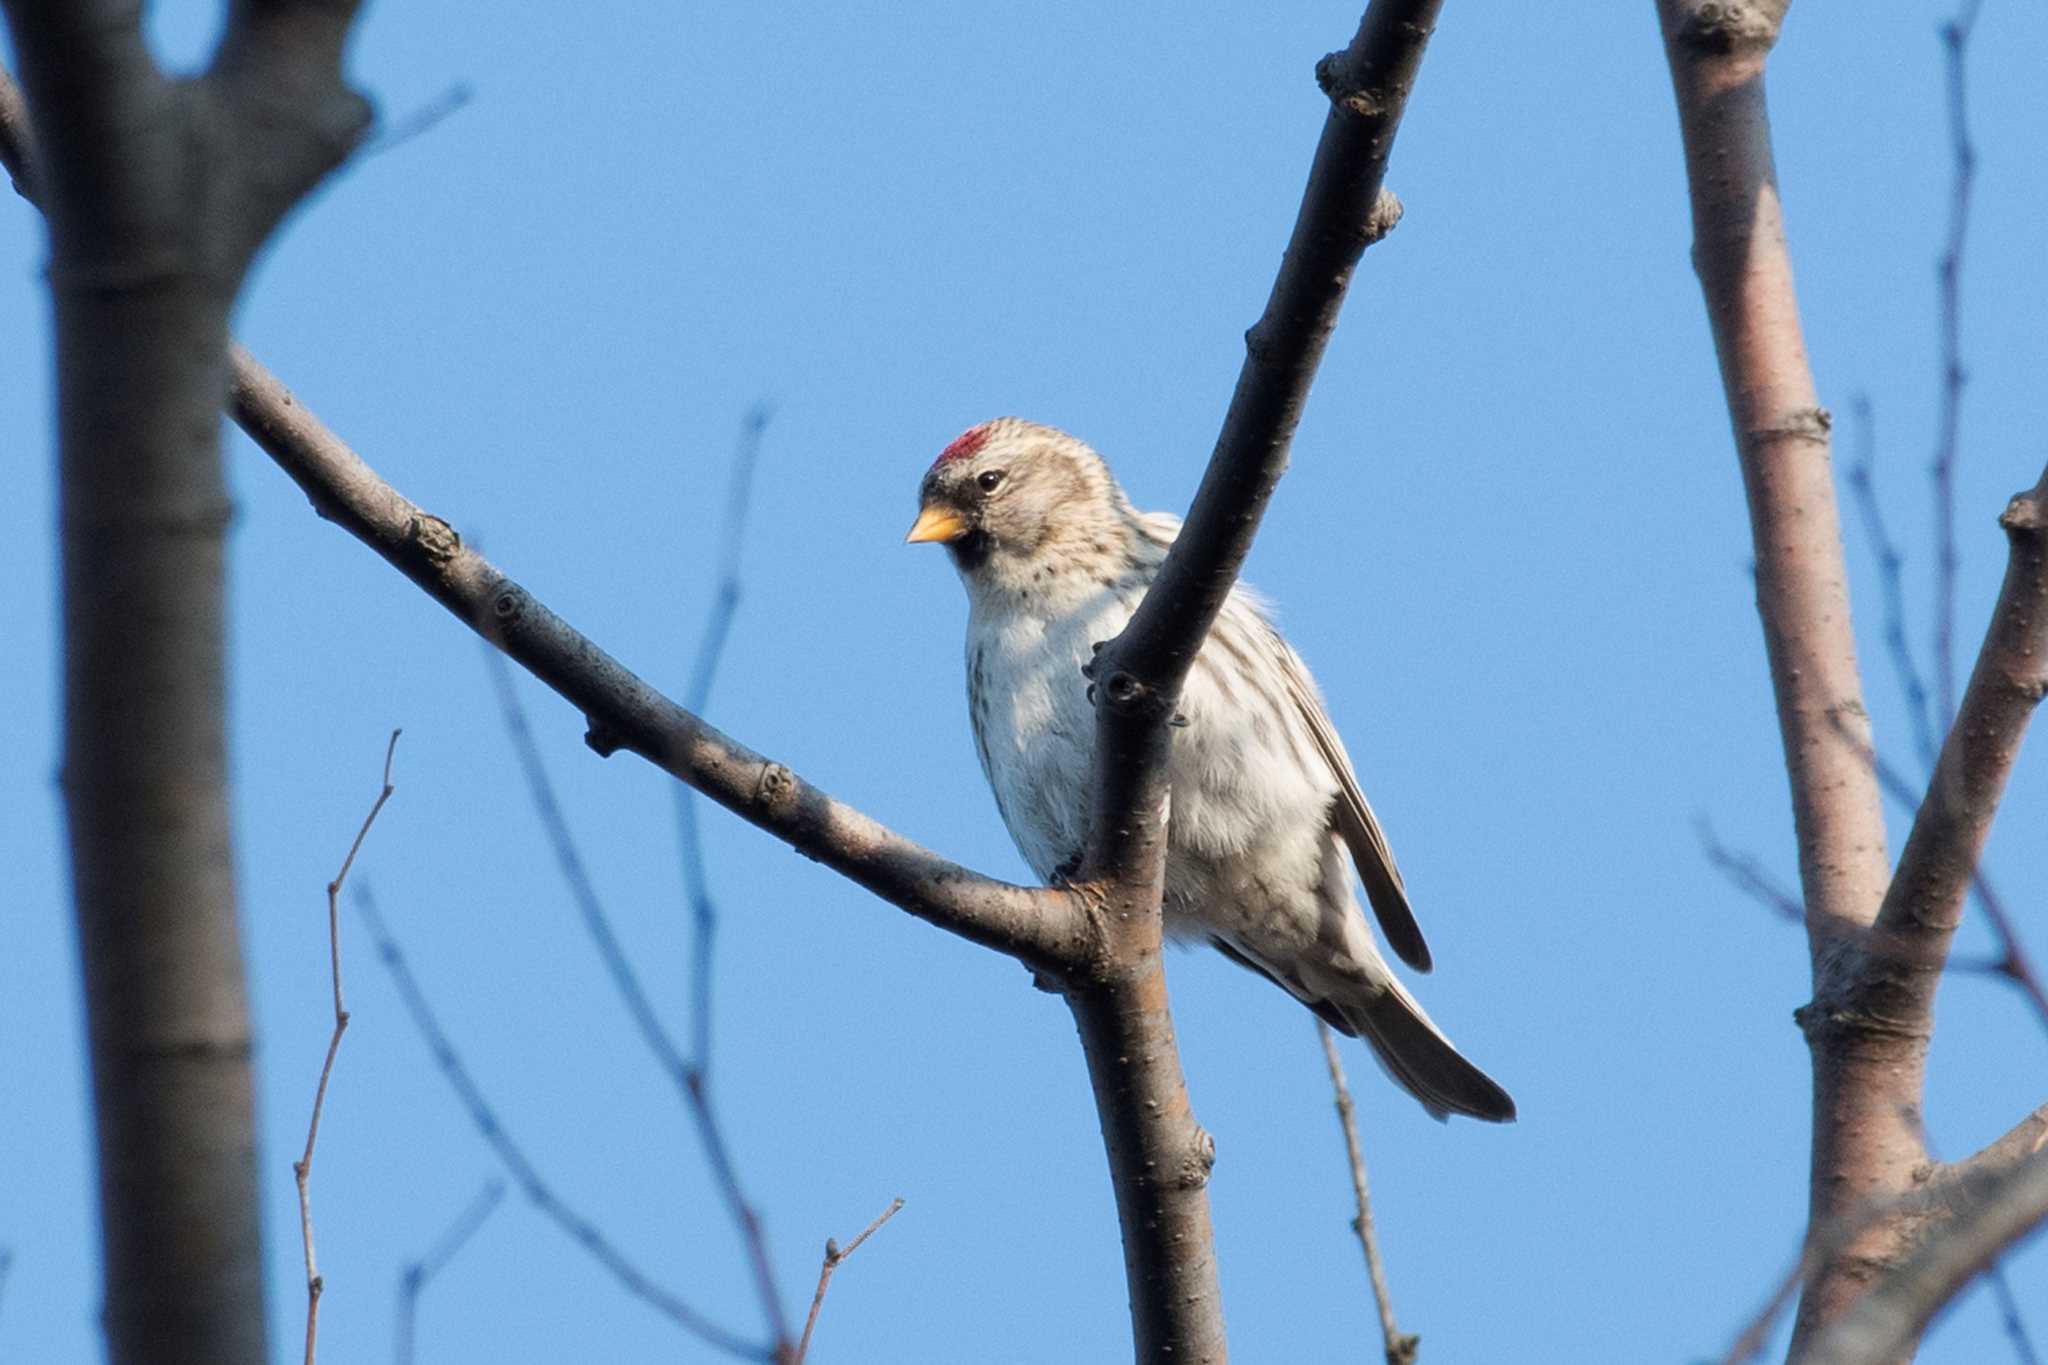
(412,1281)
(1749,1344)
(1891,562)
(1747,874)
(302,1169)
(543,1197)
(2009,1317)
(725,604)
(420,120)
(697,882)
(1955,36)
(1402,1347)
(834,1254)
(687,1076)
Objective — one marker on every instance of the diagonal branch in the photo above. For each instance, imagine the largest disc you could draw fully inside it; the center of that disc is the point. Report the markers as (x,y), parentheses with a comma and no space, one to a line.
(538,1191)
(1101,942)
(1935,873)
(1035,926)
(414,1278)
(689,1078)
(1886,1322)
(835,1256)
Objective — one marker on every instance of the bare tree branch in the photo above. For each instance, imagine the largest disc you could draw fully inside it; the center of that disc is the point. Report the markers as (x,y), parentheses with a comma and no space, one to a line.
(388,138)
(413,1280)
(302,1169)
(1885,1323)
(1036,926)
(834,1256)
(1159,1156)
(1956,37)
(1100,941)
(1891,564)
(2009,1315)
(1942,854)
(1747,875)
(538,1191)
(2013,962)
(1864,1145)
(1755,1335)
(158,194)
(725,605)
(687,1076)
(1402,1348)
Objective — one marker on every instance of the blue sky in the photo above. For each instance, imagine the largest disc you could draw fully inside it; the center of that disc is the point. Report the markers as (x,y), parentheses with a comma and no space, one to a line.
(1512,545)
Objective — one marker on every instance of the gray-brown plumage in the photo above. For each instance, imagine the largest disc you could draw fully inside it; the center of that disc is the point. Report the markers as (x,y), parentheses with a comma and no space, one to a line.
(1265,805)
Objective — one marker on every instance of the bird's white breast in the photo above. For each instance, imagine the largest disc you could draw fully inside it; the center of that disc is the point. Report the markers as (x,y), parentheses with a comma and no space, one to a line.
(1242,770)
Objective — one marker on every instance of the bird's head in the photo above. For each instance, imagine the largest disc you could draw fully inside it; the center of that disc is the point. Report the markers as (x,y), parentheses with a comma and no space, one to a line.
(1008,496)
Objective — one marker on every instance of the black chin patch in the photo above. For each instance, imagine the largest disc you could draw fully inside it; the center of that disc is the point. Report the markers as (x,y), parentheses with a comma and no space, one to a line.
(971,551)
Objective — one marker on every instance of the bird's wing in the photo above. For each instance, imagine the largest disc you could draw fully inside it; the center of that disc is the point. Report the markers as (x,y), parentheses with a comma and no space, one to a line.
(1354,821)
(1353,818)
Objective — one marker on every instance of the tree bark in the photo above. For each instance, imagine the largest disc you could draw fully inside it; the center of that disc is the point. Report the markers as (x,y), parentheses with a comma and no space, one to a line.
(158,193)
(1098,942)
(1878,942)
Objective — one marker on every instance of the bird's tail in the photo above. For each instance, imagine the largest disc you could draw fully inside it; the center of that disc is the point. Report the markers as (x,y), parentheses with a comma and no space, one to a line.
(1415,1052)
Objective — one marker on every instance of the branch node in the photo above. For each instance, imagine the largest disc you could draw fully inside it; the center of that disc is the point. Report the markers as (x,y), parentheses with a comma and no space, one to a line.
(508,603)
(604,738)
(1385,216)
(435,538)
(1199,1162)
(1725,26)
(2024,515)
(1807,425)
(774,786)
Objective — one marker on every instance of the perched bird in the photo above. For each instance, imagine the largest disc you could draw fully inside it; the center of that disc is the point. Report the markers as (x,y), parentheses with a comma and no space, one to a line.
(1263,804)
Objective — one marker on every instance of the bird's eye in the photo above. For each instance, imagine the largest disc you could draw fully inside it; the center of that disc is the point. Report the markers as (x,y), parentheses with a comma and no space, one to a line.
(989,479)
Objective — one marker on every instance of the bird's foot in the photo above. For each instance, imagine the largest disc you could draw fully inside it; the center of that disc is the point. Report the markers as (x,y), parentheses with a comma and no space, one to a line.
(1063,875)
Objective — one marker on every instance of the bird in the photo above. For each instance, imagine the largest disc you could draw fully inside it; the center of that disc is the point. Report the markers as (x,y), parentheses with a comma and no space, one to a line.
(1263,805)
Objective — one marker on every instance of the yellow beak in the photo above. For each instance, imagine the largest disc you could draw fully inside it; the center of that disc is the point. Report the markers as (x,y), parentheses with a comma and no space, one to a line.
(936,523)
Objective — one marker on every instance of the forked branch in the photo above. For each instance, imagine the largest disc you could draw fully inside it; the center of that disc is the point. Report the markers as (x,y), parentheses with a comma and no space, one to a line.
(1101,941)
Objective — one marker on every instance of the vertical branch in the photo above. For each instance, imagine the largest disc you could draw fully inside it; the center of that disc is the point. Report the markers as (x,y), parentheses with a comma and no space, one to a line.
(1402,1347)
(725,605)
(1867,1080)
(1891,564)
(158,194)
(1955,37)
(302,1169)
(1159,1156)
